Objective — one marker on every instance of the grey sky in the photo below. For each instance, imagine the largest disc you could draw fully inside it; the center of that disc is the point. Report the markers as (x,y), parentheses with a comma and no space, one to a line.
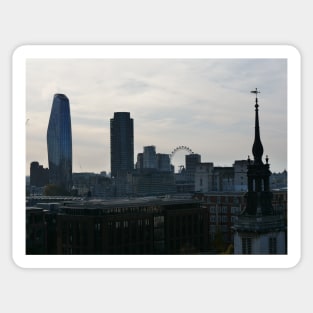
(204,104)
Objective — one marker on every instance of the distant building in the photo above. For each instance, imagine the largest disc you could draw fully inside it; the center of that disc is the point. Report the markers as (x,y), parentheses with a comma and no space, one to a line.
(39,176)
(204,177)
(240,175)
(59,142)
(279,180)
(210,178)
(191,161)
(185,178)
(151,183)
(153,174)
(139,163)
(163,162)
(149,157)
(223,178)
(96,185)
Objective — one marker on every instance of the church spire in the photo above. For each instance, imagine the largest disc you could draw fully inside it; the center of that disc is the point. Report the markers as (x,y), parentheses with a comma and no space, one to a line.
(258,174)
(257,148)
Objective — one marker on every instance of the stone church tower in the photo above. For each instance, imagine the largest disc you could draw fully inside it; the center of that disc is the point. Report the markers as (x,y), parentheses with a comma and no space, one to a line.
(259,230)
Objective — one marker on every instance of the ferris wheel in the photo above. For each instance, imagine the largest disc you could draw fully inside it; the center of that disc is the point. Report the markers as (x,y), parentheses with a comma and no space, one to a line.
(180,148)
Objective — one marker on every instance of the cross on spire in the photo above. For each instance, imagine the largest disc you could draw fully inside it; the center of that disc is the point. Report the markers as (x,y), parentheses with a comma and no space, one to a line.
(256,91)
(257,148)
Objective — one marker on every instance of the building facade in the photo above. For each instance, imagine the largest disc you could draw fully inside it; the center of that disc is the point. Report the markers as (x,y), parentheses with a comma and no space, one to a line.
(139,226)
(59,142)
(223,209)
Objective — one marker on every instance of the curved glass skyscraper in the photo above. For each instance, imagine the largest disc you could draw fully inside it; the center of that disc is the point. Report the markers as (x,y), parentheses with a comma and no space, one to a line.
(59,142)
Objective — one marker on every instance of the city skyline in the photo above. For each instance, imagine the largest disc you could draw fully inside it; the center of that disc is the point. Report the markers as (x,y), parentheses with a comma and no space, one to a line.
(204,104)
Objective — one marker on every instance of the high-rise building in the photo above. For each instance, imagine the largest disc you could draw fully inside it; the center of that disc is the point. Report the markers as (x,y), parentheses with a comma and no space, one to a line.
(122,144)
(259,228)
(39,176)
(59,142)
(149,157)
(163,162)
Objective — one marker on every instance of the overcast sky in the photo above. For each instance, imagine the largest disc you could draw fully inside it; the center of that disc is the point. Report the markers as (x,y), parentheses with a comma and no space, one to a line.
(204,104)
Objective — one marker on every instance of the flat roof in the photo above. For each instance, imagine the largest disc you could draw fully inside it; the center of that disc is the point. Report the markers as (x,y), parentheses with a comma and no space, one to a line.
(124,203)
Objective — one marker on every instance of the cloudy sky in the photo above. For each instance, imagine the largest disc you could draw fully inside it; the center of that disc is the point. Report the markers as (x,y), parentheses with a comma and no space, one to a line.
(204,104)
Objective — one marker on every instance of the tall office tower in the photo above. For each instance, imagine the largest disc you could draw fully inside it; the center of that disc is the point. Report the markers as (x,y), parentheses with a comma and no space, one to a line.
(149,157)
(59,142)
(122,144)
(192,160)
(259,229)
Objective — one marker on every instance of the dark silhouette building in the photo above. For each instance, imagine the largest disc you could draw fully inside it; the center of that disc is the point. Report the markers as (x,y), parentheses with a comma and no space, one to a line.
(259,228)
(122,144)
(138,226)
(122,151)
(192,160)
(39,176)
(36,231)
(59,142)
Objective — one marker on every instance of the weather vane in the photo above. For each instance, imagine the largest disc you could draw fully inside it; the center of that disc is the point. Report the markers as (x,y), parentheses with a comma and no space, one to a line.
(256,96)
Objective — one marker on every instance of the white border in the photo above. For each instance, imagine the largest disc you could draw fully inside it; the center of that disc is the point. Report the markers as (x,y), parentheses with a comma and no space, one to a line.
(20,56)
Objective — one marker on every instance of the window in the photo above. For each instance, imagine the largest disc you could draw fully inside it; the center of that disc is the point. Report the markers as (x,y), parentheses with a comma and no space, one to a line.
(234,219)
(224,219)
(272,245)
(246,245)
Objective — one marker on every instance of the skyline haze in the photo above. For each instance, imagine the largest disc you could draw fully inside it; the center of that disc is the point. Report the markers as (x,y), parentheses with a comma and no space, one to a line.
(204,104)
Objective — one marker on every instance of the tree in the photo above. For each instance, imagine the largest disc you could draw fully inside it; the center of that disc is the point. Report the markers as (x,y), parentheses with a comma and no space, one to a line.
(55,190)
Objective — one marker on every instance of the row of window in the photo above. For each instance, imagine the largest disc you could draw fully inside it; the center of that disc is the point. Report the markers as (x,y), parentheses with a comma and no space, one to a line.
(222,219)
(224,209)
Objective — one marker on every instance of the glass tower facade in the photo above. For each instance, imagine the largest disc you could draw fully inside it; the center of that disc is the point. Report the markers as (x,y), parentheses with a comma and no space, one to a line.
(122,144)
(59,142)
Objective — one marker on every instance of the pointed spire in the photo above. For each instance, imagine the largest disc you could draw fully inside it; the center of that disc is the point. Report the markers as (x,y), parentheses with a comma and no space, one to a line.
(257,148)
